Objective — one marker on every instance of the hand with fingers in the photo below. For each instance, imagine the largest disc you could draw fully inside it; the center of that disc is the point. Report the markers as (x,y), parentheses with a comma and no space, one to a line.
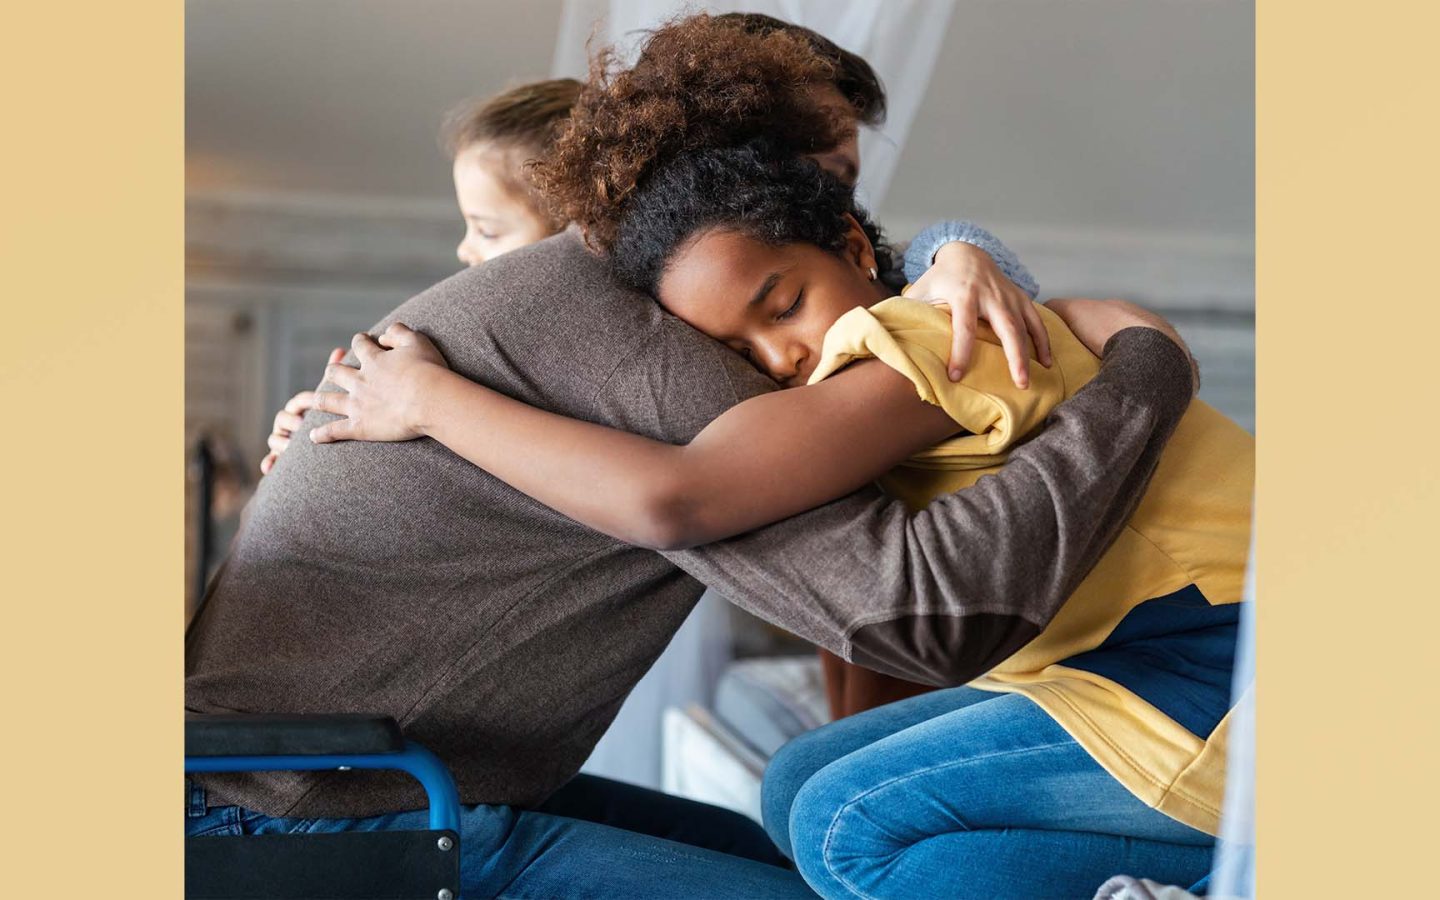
(287,420)
(966,279)
(380,399)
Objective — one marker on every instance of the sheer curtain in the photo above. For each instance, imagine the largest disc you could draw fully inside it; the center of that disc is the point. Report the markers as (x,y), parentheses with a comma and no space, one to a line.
(901,39)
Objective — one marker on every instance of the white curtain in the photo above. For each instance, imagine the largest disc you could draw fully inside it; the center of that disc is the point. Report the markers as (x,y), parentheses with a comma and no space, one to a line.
(900,38)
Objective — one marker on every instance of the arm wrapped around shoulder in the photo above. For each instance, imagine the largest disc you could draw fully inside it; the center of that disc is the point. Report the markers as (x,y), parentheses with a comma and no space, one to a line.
(1023,539)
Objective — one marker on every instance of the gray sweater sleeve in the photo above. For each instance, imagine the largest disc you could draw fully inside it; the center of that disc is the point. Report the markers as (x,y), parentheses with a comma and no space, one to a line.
(920,255)
(943,595)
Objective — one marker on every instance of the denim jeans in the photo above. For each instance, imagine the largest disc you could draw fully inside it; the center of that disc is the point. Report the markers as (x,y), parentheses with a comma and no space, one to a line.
(964,793)
(507,852)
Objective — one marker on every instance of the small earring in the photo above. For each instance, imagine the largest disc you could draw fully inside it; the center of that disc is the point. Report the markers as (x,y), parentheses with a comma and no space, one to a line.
(873,274)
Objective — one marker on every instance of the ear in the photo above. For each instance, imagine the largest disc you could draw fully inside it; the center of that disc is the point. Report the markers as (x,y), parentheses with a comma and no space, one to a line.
(858,249)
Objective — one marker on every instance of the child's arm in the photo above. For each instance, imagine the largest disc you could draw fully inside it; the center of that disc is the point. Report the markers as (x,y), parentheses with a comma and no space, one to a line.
(763,460)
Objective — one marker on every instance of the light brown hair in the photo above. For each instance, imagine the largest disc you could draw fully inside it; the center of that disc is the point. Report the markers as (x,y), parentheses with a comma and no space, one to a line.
(522,122)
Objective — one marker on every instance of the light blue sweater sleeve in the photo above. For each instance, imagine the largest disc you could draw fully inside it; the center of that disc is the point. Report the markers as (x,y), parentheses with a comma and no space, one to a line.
(921,253)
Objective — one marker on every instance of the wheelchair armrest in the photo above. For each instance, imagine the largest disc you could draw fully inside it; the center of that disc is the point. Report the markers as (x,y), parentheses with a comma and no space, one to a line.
(281,734)
(357,864)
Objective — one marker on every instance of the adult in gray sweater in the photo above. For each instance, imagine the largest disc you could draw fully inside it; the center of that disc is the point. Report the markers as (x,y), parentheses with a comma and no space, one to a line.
(396,578)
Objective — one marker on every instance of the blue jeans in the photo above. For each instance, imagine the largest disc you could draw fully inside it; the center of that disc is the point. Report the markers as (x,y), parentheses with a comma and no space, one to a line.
(964,793)
(644,811)
(507,852)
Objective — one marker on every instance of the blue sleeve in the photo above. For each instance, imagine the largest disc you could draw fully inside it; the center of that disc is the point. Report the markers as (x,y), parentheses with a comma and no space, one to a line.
(921,252)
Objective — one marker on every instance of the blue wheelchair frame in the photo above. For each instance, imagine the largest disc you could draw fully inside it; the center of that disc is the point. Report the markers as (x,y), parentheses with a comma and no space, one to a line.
(414,760)
(357,865)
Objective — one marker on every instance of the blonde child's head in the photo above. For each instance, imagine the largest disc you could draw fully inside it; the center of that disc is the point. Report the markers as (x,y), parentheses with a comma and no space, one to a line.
(492,142)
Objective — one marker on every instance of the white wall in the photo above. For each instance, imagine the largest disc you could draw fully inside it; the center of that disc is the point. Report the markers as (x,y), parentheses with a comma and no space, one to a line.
(1120,115)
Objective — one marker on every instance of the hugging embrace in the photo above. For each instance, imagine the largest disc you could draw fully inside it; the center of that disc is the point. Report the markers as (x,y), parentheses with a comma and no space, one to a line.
(510,496)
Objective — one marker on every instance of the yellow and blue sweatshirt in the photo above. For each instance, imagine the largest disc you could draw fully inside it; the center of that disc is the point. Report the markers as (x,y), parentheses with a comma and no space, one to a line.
(1135,663)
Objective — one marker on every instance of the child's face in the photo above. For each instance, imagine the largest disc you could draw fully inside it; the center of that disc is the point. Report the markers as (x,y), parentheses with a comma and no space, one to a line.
(498,217)
(772,305)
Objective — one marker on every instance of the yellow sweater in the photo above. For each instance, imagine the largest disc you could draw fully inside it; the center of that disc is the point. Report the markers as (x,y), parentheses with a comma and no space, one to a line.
(1151,628)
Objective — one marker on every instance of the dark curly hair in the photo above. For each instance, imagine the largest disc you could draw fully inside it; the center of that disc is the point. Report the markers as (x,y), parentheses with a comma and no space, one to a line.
(772,197)
(700,82)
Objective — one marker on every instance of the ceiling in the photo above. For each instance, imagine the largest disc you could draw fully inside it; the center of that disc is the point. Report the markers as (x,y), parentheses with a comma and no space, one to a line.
(1126,115)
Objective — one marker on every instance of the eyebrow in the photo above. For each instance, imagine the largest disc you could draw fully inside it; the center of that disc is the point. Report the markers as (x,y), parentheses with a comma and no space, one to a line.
(765,289)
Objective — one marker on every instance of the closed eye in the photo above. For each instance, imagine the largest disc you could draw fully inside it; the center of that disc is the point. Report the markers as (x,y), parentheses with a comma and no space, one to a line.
(482,229)
(794,307)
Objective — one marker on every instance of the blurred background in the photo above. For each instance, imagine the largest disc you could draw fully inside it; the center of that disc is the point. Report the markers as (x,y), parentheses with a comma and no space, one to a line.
(1109,142)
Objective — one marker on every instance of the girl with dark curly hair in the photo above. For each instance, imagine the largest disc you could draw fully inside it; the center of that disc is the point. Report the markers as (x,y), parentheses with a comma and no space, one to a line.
(703,82)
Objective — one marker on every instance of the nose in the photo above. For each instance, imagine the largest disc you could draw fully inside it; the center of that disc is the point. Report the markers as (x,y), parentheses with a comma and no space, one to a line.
(465,254)
(784,361)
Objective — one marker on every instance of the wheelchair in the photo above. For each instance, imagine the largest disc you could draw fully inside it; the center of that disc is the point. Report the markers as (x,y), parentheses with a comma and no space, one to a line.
(361,865)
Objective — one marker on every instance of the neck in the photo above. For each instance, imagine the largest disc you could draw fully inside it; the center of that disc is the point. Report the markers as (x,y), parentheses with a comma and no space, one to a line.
(881,290)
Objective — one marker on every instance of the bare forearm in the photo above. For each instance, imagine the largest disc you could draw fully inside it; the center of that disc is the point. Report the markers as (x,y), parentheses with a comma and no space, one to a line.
(607,479)
(763,460)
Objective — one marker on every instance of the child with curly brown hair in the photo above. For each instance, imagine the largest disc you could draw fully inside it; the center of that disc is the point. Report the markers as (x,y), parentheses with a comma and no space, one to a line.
(709,82)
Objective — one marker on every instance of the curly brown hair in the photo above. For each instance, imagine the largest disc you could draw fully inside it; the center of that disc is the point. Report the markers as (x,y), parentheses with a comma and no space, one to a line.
(700,82)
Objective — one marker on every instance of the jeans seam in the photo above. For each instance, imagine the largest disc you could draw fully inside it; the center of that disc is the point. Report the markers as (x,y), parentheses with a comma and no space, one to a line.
(825,848)
(229,824)
(303,826)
